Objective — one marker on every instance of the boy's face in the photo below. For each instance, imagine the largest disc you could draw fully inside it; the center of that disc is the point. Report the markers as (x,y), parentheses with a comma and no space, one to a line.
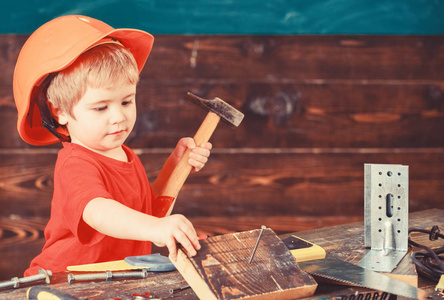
(104,117)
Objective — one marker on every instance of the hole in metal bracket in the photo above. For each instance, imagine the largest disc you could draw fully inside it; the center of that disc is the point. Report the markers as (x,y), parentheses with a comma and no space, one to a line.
(389,205)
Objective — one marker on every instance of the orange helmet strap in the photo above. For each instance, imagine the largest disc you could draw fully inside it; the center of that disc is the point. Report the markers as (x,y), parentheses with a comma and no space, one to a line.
(48,122)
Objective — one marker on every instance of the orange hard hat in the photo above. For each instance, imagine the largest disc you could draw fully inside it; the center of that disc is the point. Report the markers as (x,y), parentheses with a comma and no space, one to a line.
(53,47)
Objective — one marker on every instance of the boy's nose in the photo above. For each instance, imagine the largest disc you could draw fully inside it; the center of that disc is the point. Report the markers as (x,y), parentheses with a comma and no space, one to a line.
(117,116)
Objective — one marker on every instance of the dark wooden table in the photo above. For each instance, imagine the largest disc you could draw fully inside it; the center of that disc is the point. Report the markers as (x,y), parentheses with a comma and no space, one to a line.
(342,241)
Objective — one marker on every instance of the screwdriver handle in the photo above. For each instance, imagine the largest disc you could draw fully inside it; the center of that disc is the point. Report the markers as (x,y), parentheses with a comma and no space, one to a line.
(41,292)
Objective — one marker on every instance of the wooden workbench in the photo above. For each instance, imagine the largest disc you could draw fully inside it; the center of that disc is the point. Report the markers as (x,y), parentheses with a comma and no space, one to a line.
(332,239)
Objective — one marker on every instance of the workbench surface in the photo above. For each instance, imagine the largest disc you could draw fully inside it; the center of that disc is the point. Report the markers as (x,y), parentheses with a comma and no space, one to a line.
(341,241)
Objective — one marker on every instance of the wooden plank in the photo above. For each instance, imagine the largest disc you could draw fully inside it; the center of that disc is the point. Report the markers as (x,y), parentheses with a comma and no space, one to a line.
(21,239)
(281,115)
(297,91)
(298,115)
(222,269)
(251,183)
(253,57)
(246,184)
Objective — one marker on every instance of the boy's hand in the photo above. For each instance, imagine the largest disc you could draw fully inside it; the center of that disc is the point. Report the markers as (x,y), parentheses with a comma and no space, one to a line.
(198,156)
(176,229)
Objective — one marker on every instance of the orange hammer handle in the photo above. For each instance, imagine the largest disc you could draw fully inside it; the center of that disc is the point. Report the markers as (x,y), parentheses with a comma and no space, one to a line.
(183,168)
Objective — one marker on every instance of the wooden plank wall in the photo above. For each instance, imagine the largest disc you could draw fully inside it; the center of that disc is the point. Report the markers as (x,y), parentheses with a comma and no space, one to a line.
(316,109)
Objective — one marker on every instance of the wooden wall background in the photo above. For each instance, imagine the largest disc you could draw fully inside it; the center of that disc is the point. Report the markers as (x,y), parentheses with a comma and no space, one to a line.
(316,109)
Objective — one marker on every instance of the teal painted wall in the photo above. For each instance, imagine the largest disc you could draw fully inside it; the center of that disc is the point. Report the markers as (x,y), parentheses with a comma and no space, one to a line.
(237,16)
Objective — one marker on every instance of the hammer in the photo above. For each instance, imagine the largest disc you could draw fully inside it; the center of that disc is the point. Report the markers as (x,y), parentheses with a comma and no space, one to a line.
(217,110)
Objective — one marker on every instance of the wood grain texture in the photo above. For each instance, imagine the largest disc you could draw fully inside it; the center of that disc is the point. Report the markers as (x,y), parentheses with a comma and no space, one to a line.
(158,284)
(254,183)
(316,109)
(296,91)
(273,57)
(221,269)
(22,238)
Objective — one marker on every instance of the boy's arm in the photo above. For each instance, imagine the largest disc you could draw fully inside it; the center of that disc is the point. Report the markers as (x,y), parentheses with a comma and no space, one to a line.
(119,221)
(198,158)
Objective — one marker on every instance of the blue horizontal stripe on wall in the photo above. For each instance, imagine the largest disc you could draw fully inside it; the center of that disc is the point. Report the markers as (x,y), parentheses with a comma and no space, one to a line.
(237,16)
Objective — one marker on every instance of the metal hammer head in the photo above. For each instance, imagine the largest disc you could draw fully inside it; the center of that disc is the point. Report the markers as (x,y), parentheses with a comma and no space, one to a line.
(221,108)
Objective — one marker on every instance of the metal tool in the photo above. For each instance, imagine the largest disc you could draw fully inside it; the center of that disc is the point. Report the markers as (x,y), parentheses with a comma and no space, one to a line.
(303,250)
(217,110)
(153,262)
(16,282)
(350,274)
(386,216)
(257,243)
(108,275)
(179,289)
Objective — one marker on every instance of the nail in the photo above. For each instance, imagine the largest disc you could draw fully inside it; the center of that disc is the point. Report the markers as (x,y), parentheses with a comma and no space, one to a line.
(257,243)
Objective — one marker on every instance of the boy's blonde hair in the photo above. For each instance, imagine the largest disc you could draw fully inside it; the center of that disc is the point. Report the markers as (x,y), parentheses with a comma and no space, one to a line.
(100,67)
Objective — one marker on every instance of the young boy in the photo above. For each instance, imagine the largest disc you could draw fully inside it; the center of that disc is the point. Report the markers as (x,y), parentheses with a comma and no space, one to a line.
(75,81)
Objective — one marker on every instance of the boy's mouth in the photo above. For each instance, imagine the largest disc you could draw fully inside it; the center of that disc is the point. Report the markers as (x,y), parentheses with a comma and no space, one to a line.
(117,132)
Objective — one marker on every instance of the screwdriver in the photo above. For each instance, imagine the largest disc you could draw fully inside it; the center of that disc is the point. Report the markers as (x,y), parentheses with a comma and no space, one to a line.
(41,292)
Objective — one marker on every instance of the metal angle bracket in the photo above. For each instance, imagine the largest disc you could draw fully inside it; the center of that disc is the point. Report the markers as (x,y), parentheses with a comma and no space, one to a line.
(386,193)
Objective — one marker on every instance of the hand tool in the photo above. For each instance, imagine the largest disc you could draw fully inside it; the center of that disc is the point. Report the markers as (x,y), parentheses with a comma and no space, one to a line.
(179,289)
(108,275)
(152,262)
(349,274)
(362,296)
(346,273)
(41,292)
(15,282)
(257,243)
(217,110)
(303,250)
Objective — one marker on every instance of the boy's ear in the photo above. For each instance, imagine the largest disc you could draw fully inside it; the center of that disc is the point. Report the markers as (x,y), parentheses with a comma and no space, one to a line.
(58,114)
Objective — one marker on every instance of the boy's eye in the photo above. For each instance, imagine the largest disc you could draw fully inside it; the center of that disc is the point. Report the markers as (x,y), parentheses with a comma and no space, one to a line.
(100,108)
(126,103)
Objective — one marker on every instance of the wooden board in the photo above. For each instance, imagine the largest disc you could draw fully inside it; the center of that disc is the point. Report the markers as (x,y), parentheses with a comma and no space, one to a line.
(259,184)
(221,269)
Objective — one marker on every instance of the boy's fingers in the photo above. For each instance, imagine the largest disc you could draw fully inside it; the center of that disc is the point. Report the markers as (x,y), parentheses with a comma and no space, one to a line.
(189,236)
(207,145)
(199,151)
(186,243)
(189,142)
(172,249)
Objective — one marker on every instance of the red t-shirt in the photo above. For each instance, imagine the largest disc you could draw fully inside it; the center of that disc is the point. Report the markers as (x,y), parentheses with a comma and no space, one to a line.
(81,175)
